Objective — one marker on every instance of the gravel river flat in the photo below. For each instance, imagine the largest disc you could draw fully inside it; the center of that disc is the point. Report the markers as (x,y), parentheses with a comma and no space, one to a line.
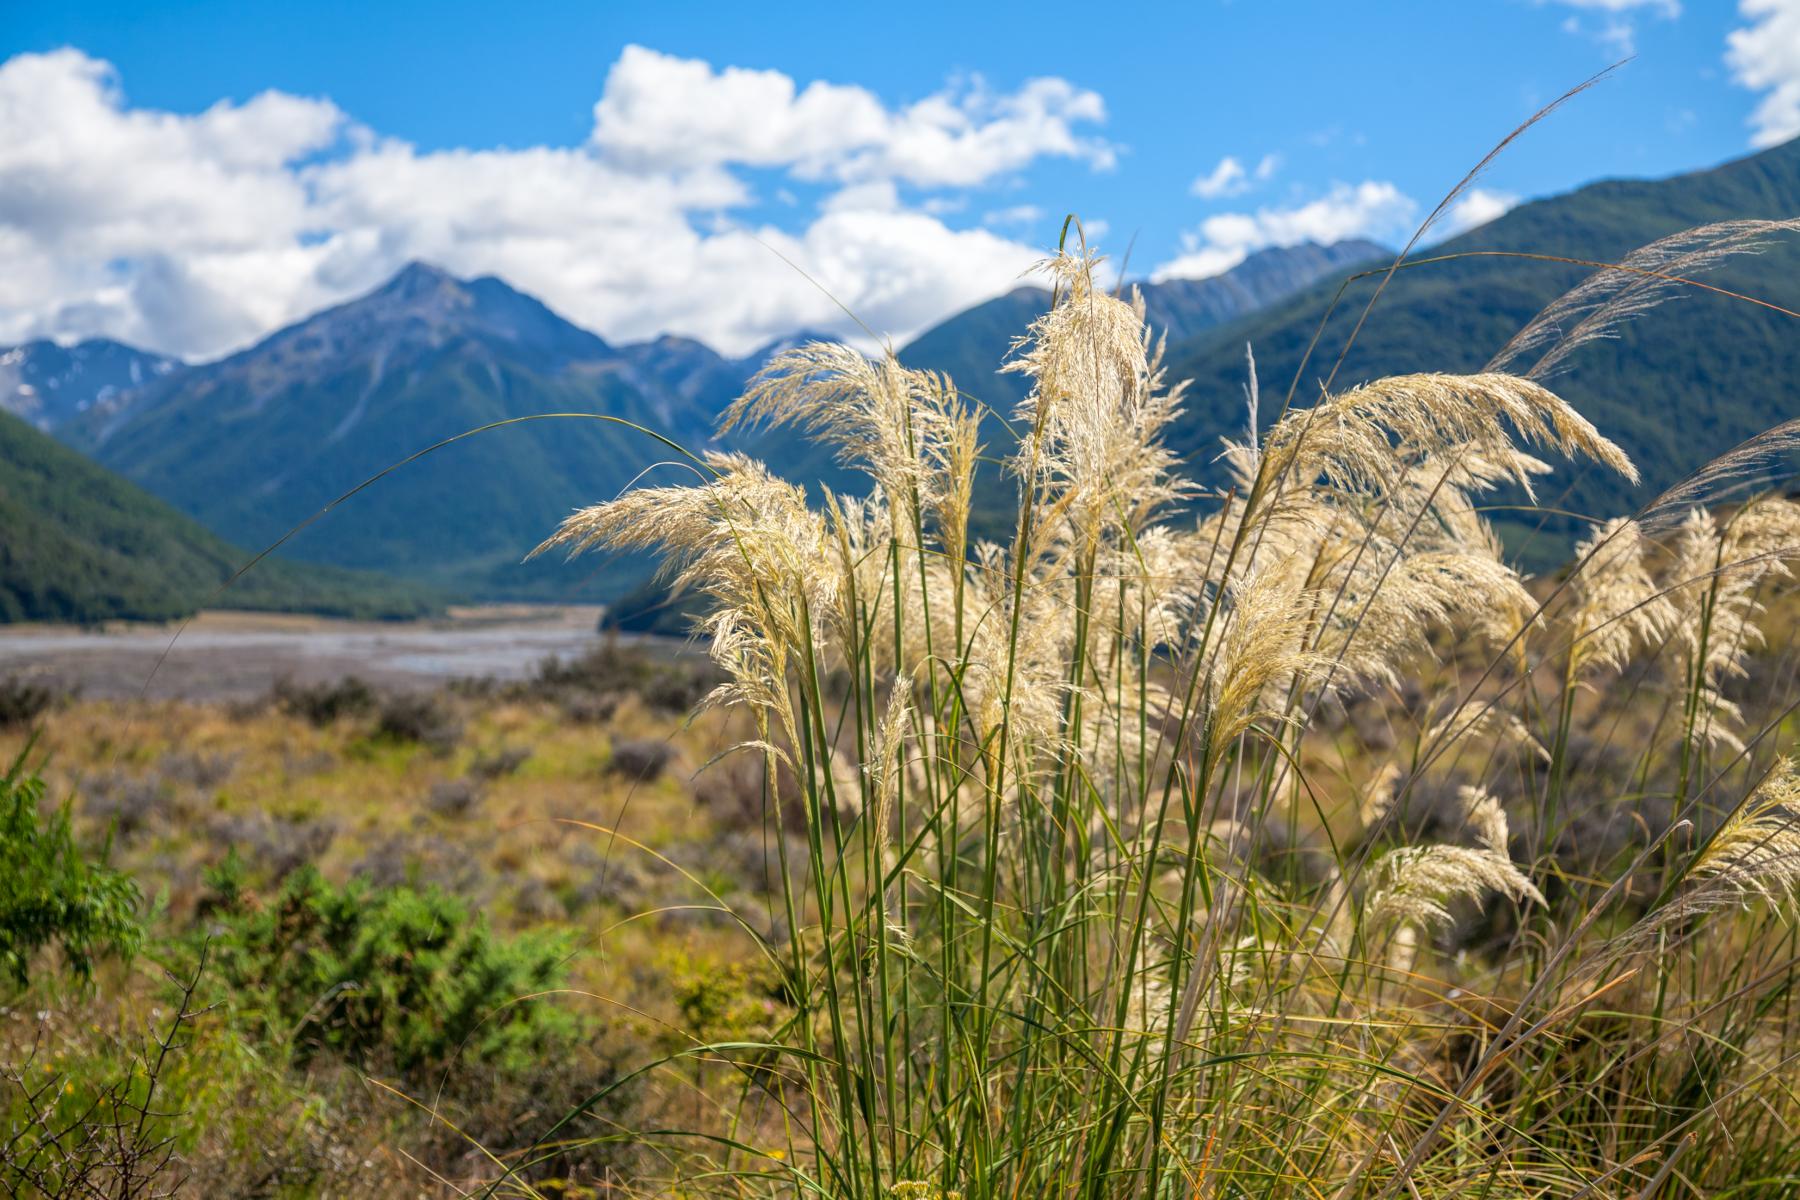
(227,656)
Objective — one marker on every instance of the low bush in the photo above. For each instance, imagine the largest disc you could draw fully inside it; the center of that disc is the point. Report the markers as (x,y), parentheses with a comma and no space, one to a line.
(53,895)
(420,717)
(641,759)
(22,700)
(386,978)
(663,681)
(103,1125)
(272,847)
(503,762)
(325,703)
(453,797)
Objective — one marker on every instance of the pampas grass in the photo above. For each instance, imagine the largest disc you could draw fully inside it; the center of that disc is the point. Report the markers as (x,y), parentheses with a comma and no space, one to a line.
(1094,903)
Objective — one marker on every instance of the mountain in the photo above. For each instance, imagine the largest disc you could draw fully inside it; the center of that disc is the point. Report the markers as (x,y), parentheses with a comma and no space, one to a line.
(701,375)
(48,384)
(257,442)
(1182,308)
(1676,387)
(254,444)
(971,345)
(83,545)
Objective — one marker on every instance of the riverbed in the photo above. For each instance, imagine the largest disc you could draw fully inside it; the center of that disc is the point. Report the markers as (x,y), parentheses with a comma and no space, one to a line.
(228,656)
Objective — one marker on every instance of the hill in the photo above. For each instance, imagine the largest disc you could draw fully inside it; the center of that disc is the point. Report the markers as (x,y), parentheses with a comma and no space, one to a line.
(83,545)
(1675,387)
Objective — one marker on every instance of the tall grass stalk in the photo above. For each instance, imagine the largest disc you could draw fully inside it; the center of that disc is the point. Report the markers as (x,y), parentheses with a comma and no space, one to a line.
(1089,896)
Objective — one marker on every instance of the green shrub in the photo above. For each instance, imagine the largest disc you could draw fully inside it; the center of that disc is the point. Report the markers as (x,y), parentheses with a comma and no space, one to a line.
(386,977)
(53,895)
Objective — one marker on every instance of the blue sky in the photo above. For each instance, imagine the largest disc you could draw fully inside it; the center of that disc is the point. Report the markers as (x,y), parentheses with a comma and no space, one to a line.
(919,178)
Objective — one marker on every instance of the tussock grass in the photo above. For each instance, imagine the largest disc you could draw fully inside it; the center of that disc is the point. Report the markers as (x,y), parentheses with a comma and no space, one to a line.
(1088,892)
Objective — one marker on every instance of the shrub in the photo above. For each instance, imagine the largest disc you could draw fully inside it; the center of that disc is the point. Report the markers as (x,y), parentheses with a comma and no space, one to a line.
(503,762)
(453,797)
(201,772)
(387,978)
(126,804)
(641,759)
(102,1129)
(272,846)
(421,717)
(22,701)
(51,894)
(325,703)
(662,680)
(507,1114)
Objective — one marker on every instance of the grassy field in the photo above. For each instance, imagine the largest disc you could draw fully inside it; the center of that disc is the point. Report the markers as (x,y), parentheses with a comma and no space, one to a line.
(1284,841)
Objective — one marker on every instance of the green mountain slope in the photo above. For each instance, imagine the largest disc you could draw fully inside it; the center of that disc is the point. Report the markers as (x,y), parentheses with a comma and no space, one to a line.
(970,346)
(1676,387)
(78,543)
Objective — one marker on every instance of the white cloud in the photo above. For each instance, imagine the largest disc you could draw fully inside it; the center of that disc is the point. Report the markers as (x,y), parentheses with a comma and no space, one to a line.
(659,111)
(1229,178)
(1372,208)
(1663,8)
(1477,206)
(196,234)
(1764,56)
(1226,179)
(1017,214)
(1615,25)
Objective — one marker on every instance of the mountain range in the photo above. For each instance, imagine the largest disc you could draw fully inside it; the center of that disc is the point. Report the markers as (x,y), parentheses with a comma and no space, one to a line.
(970,346)
(1676,386)
(255,443)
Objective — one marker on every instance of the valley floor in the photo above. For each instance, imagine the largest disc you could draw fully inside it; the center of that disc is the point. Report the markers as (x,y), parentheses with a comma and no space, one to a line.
(237,655)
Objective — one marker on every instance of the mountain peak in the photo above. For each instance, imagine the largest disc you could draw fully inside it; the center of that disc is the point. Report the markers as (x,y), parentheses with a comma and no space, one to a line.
(425,307)
(50,384)
(418,278)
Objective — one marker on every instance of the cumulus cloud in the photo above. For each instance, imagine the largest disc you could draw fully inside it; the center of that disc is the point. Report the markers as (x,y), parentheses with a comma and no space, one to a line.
(1764,56)
(660,111)
(1372,208)
(1614,22)
(1230,178)
(195,234)
(1016,214)
(1477,206)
